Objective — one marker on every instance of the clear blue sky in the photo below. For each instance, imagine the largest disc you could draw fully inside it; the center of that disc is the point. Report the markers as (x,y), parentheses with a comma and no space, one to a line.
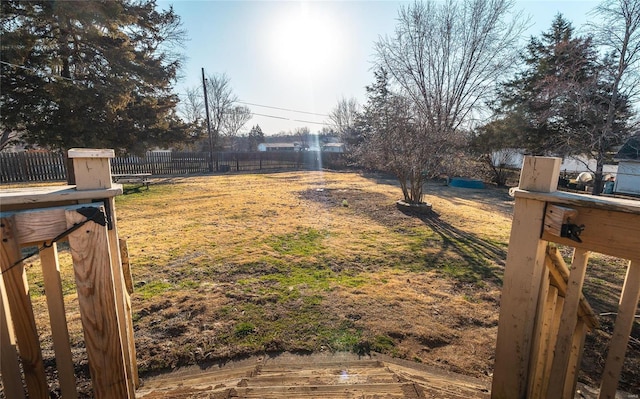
(262,48)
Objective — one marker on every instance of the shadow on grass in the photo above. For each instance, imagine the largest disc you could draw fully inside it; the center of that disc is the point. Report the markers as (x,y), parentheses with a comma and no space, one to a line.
(485,260)
(134,189)
(479,259)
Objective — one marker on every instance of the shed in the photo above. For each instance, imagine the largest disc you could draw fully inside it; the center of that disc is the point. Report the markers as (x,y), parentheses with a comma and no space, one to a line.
(628,176)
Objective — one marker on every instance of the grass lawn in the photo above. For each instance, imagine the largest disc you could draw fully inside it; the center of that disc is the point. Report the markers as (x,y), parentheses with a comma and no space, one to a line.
(237,264)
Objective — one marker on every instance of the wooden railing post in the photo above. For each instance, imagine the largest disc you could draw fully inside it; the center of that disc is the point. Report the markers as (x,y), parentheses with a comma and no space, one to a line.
(567,328)
(21,311)
(9,366)
(621,331)
(93,171)
(94,281)
(58,320)
(91,168)
(522,279)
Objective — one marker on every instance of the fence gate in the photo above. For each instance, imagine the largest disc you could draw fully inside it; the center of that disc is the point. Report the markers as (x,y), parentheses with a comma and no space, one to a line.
(85,216)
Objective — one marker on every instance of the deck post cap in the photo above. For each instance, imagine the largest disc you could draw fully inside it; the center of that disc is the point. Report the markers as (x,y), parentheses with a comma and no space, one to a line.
(91,153)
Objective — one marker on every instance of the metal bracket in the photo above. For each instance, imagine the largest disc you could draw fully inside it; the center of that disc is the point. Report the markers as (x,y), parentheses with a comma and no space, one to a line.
(93,214)
(108,212)
(572,231)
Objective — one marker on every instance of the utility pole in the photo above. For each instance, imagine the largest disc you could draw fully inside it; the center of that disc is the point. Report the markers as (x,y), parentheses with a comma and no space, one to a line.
(206,110)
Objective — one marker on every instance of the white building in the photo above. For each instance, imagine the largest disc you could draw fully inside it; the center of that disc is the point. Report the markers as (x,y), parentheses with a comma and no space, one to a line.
(574,165)
(328,147)
(279,147)
(628,176)
(333,147)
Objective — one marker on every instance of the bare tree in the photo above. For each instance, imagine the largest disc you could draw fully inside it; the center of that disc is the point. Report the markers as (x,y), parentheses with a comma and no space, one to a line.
(344,119)
(302,135)
(394,138)
(191,111)
(344,114)
(618,30)
(192,106)
(226,118)
(235,118)
(221,99)
(446,58)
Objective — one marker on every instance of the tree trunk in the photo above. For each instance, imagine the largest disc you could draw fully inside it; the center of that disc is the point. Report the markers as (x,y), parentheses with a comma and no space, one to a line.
(597,182)
(403,186)
(416,188)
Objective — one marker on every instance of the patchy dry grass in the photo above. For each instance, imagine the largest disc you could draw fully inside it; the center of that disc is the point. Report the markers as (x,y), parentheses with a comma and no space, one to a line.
(231,265)
(309,261)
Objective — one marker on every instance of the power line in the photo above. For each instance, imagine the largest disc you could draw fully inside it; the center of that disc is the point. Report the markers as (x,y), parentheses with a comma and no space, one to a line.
(49,74)
(273,107)
(54,76)
(283,109)
(278,108)
(287,119)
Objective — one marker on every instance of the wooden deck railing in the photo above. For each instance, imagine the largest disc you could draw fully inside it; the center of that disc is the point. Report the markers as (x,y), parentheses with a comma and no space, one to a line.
(553,294)
(543,314)
(85,215)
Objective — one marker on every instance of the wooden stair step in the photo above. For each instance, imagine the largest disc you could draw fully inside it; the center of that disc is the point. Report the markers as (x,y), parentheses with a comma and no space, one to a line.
(322,379)
(338,364)
(382,390)
(196,377)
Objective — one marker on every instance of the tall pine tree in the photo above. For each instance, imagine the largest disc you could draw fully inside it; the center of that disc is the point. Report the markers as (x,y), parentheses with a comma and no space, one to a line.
(90,73)
(256,136)
(558,103)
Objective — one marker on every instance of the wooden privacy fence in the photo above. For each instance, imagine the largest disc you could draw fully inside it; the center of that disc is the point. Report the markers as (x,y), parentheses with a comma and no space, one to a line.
(84,215)
(543,315)
(32,166)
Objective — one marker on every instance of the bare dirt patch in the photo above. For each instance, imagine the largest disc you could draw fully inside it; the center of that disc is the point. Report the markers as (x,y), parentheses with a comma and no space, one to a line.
(236,265)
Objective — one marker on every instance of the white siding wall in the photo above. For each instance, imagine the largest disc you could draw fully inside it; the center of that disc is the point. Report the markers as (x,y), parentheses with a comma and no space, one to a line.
(628,178)
(577,165)
(513,158)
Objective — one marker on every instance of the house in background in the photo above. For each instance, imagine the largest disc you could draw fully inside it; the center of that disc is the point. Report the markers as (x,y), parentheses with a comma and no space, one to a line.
(573,165)
(333,147)
(295,146)
(628,176)
(279,147)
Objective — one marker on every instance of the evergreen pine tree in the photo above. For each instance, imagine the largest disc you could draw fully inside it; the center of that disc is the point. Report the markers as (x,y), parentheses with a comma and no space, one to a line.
(256,136)
(90,74)
(557,104)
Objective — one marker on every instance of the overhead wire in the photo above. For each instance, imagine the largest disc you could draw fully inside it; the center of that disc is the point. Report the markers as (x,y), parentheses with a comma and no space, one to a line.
(283,109)
(287,119)
(51,75)
(45,73)
(75,81)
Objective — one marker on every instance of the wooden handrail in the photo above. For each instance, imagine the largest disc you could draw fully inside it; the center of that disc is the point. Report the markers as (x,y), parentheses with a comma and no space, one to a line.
(543,314)
(43,215)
